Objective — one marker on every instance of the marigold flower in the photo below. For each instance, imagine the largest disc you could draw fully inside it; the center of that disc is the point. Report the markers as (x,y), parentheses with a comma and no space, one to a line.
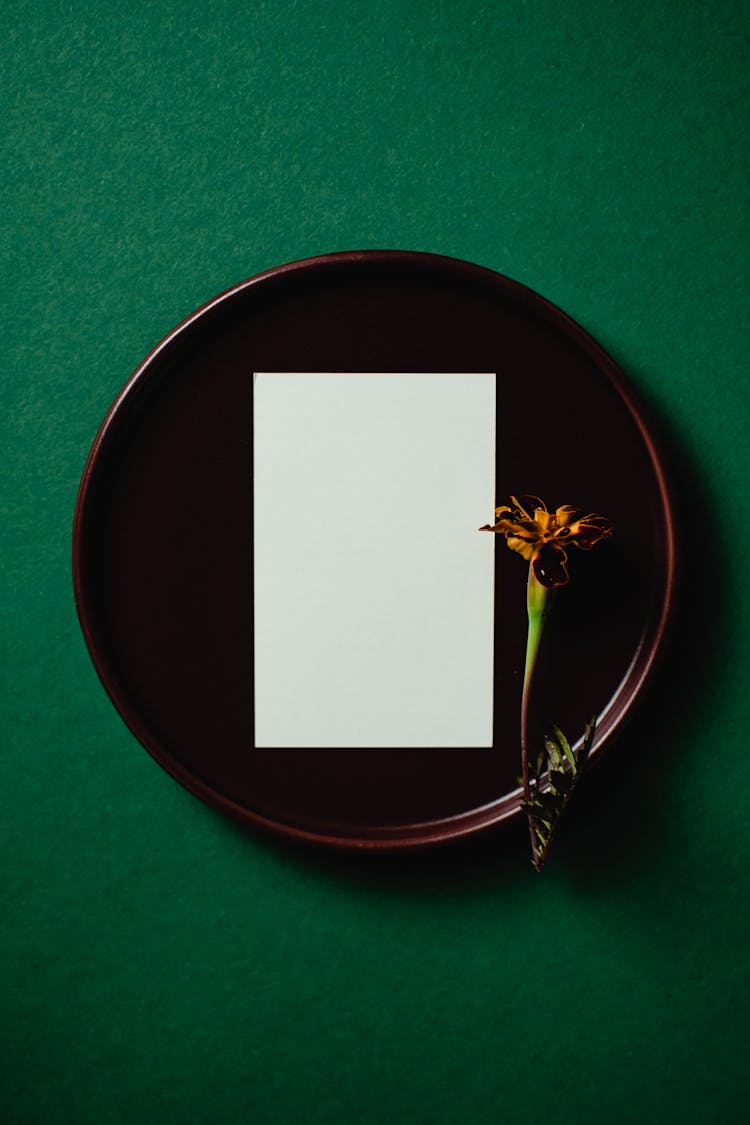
(542,537)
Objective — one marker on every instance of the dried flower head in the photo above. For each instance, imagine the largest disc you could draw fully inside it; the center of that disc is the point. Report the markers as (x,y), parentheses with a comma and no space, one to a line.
(543,537)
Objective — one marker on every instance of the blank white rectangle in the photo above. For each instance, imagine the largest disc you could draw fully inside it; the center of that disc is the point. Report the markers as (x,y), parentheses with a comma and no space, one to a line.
(374,591)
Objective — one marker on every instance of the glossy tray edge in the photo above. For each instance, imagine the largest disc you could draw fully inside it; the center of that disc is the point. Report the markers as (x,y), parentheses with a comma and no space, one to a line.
(428,833)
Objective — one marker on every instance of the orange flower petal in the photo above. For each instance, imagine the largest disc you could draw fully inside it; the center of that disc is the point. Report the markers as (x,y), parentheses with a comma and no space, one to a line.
(528,504)
(527,529)
(522,546)
(590,530)
(565,514)
(549,566)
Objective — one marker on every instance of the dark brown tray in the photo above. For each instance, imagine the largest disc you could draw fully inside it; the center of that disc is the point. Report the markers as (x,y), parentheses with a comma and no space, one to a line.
(163,548)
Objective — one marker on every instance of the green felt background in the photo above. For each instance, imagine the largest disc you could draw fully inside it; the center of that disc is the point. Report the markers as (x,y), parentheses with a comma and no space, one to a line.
(157,963)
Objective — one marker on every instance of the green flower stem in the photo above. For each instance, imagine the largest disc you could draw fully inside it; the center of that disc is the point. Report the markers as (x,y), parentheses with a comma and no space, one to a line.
(538,602)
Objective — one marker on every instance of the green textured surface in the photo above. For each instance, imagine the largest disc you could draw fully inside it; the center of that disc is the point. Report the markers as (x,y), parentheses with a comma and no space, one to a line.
(158,964)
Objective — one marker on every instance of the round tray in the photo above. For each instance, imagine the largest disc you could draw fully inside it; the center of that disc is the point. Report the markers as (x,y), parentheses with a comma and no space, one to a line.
(162,552)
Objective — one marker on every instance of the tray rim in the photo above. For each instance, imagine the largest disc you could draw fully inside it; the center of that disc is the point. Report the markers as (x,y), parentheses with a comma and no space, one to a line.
(478,819)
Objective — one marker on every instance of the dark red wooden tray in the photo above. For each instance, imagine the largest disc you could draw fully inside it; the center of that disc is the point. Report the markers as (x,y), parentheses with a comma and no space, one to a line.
(162,552)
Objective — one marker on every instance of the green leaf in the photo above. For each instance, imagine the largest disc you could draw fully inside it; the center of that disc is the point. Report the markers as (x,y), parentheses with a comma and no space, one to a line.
(554,756)
(550,803)
(588,738)
(534,809)
(566,748)
(541,836)
(560,781)
(538,816)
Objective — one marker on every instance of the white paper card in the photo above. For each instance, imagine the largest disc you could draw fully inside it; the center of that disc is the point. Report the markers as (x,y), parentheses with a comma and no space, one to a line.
(374,591)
